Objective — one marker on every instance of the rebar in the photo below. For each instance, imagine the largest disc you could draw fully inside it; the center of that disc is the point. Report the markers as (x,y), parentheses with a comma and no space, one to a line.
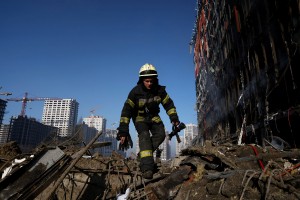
(248,180)
(270,179)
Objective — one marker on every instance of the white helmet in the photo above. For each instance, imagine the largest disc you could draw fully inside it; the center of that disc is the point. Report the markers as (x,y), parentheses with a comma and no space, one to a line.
(147,70)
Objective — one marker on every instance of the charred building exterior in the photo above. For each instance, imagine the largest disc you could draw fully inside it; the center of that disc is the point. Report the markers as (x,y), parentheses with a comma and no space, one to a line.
(246,55)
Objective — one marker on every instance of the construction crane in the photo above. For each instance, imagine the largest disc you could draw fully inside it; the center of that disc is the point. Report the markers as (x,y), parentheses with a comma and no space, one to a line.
(92,116)
(5,93)
(25,99)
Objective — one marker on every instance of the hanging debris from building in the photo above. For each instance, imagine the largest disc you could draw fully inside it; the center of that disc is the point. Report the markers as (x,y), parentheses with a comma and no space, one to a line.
(246,55)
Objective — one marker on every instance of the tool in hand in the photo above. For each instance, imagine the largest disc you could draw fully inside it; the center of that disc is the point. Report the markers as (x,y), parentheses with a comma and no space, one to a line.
(176,130)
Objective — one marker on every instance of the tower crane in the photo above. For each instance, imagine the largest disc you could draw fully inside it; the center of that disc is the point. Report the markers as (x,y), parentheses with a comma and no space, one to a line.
(25,99)
(92,116)
(5,93)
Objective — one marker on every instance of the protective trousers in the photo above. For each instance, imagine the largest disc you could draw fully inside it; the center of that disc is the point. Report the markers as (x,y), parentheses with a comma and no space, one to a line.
(151,135)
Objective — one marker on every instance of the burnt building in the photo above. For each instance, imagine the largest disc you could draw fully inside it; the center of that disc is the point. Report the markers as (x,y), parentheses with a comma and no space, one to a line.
(28,132)
(246,55)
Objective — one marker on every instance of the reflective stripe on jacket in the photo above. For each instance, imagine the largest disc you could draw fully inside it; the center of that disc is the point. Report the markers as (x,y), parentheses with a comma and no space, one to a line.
(142,105)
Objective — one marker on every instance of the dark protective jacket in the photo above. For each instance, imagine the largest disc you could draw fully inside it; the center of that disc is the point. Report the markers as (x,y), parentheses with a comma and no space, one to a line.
(142,105)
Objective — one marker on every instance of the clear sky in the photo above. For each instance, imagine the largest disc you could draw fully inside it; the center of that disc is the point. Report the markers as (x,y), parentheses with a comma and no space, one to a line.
(92,50)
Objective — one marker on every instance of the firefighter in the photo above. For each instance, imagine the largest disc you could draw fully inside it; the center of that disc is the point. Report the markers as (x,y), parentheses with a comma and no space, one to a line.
(142,106)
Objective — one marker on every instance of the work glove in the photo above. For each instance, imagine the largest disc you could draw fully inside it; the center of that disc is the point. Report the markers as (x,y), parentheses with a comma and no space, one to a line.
(125,140)
(178,126)
(175,124)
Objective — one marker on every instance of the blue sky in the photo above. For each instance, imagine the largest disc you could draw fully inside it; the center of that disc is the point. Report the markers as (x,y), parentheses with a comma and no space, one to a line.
(92,50)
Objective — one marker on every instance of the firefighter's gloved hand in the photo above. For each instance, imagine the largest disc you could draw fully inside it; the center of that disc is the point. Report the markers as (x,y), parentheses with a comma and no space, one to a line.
(175,127)
(121,134)
(125,141)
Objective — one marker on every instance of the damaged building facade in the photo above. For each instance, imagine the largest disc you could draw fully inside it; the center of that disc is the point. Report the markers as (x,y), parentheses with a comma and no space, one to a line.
(246,55)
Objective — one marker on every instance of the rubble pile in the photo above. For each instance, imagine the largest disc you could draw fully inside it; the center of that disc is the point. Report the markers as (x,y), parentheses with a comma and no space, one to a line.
(211,171)
(9,150)
(241,172)
(201,172)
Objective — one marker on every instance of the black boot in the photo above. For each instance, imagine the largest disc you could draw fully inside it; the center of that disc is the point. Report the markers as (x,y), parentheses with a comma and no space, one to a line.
(158,159)
(148,174)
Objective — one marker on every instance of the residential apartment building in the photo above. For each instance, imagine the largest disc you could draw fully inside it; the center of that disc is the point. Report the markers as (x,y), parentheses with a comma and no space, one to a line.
(179,146)
(97,122)
(166,149)
(109,136)
(86,133)
(190,132)
(61,114)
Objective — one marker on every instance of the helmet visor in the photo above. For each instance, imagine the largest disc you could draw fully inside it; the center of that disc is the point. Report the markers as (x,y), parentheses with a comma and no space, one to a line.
(148,73)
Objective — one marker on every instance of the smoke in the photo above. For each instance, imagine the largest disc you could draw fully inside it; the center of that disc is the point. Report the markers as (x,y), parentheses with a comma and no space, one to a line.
(219,93)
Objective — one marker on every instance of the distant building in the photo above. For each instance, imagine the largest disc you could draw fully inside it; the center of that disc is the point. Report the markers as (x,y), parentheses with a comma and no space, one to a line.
(109,136)
(190,132)
(28,132)
(4,128)
(61,114)
(86,133)
(166,149)
(97,122)
(179,146)
(2,109)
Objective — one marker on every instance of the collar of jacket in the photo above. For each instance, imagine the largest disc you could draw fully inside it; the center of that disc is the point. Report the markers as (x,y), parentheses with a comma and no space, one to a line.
(152,90)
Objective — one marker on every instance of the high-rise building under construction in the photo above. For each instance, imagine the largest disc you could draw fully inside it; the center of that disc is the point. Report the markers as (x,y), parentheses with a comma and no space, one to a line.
(61,114)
